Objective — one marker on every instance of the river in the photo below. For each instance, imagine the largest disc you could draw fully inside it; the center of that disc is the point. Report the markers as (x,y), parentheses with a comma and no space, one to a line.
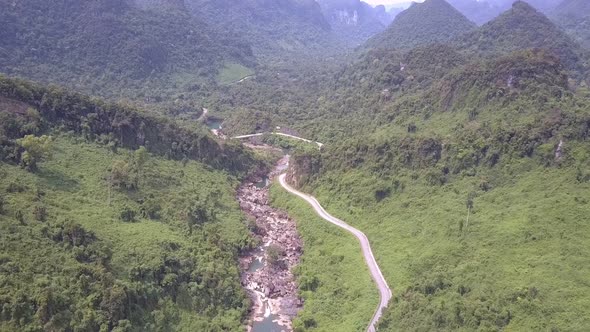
(267,270)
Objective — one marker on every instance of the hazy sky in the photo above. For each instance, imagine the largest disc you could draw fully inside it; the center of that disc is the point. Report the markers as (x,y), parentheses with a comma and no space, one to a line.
(387,2)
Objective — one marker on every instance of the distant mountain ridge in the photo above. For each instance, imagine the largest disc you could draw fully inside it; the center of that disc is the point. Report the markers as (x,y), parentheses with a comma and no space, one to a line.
(271,27)
(154,50)
(479,12)
(523,27)
(423,23)
(574,17)
(108,44)
(482,11)
(354,21)
(574,8)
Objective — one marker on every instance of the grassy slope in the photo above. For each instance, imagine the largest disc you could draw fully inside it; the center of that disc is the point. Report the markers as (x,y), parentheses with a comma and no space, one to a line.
(518,264)
(233,72)
(346,297)
(74,187)
(522,251)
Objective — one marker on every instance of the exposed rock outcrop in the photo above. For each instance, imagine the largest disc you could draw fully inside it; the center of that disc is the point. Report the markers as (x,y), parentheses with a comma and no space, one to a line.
(272,280)
(302,168)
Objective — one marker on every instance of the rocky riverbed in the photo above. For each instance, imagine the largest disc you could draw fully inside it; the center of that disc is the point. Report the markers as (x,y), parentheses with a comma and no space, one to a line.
(267,270)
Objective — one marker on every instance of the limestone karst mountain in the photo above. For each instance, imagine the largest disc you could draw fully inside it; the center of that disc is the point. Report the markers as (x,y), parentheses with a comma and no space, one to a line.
(421,24)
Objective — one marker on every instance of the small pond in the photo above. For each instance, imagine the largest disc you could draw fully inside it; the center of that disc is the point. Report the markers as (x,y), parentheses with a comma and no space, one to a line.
(214,123)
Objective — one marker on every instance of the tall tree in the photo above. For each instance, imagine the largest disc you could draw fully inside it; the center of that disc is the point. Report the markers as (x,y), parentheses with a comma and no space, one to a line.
(36,150)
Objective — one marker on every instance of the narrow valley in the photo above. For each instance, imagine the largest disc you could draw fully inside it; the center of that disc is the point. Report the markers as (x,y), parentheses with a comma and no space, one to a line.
(267,270)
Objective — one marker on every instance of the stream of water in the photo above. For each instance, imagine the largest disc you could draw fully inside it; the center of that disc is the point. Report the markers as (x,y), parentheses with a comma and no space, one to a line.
(270,321)
(271,285)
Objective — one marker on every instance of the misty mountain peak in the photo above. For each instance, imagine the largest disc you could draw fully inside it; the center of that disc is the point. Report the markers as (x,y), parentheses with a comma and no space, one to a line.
(423,23)
(523,6)
(522,27)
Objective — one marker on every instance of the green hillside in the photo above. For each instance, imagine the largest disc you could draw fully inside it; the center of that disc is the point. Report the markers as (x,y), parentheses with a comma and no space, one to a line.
(275,29)
(115,49)
(100,233)
(462,153)
(472,194)
(574,17)
(523,27)
(423,23)
(338,296)
(171,54)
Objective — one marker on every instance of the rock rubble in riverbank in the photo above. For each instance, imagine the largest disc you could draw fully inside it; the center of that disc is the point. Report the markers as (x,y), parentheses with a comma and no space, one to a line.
(278,235)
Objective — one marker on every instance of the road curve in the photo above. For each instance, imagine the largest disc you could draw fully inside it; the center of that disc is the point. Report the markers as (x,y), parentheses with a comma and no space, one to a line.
(384,291)
(279,134)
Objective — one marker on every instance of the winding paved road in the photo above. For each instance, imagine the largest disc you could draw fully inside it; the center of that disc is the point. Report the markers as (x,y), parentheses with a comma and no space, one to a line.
(376,274)
(280,134)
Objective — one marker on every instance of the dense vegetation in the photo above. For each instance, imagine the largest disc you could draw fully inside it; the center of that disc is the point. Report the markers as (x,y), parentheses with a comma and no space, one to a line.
(332,277)
(169,54)
(574,17)
(273,28)
(100,240)
(422,24)
(461,152)
(472,193)
(101,233)
(112,124)
(523,27)
(468,175)
(389,82)
(115,49)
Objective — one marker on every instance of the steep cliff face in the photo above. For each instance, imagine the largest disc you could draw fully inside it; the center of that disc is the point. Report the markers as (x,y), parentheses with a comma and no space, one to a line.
(386,16)
(309,10)
(354,21)
(303,168)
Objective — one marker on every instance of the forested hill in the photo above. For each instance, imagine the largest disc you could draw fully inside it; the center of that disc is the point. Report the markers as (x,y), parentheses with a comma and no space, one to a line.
(524,27)
(574,17)
(116,125)
(114,220)
(355,21)
(462,152)
(482,11)
(113,48)
(170,53)
(273,28)
(421,24)
(459,182)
